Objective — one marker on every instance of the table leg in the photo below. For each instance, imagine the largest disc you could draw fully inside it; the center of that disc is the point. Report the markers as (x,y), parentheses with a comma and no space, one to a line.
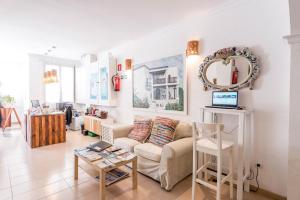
(247,153)
(134,173)
(75,167)
(240,157)
(102,185)
(17,116)
(7,119)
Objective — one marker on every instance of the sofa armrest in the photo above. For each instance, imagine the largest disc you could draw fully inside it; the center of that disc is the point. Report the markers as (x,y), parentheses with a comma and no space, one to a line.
(122,131)
(176,162)
(178,148)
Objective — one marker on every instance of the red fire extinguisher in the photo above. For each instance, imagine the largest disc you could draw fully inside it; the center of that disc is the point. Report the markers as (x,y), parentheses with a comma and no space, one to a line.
(235,75)
(116,81)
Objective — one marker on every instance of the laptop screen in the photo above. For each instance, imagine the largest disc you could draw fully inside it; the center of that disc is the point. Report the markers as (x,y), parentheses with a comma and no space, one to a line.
(229,99)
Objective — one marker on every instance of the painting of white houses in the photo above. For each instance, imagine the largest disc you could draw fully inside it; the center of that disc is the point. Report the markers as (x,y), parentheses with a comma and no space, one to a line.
(159,84)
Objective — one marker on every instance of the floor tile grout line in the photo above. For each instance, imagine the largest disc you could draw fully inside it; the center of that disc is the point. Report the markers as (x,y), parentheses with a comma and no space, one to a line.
(39,187)
(69,187)
(11,191)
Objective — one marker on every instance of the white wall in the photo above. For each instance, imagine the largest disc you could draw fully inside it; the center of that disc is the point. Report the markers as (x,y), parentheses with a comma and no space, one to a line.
(13,75)
(36,72)
(257,24)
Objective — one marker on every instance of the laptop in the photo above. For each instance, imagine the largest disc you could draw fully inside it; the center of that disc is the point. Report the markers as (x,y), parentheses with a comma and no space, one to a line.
(226,100)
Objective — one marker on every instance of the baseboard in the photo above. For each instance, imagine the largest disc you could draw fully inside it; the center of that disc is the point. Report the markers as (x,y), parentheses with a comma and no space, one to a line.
(268,194)
(263,192)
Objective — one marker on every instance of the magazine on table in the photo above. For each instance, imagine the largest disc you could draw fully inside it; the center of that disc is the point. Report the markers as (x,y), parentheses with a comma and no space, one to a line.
(125,156)
(113,149)
(112,161)
(88,154)
(114,176)
(110,156)
(104,163)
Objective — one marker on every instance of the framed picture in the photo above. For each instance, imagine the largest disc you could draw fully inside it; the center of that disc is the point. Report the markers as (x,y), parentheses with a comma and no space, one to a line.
(160,85)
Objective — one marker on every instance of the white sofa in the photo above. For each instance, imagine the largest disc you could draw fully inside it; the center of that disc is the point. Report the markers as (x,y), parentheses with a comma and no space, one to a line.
(168,164)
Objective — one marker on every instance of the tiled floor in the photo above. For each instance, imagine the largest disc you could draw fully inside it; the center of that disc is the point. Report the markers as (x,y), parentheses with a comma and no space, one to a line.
(47,173)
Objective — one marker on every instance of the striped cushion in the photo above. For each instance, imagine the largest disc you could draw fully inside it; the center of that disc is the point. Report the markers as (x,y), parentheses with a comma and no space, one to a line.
(141,130)
(163,131)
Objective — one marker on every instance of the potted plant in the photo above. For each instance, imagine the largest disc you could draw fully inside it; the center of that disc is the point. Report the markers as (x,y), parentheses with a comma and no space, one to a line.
(7,100)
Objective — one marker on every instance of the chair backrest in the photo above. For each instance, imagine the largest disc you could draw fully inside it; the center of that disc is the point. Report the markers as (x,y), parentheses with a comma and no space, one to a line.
(211,131)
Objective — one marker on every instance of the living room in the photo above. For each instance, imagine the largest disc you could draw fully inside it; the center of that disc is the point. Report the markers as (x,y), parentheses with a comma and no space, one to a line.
(190,99)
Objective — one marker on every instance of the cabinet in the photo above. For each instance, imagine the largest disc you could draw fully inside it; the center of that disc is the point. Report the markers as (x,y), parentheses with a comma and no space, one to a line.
(93,81)
(107,69)
(94,124)
(87,123)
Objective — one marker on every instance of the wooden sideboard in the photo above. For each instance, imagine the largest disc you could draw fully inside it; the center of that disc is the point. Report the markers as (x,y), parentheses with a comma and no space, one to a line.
(45,129)
(93,124)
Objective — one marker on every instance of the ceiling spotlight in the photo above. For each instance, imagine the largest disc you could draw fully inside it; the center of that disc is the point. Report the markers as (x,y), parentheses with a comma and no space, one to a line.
(49,50)
(53,47)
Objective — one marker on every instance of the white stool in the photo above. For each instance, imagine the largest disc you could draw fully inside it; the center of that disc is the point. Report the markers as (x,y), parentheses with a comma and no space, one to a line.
(205,143)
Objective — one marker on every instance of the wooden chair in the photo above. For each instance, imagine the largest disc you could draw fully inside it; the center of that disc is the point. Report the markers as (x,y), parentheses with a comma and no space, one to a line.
(207,138)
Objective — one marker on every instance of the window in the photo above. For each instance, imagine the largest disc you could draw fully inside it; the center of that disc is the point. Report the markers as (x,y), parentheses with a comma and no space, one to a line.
(63,90)
(52,90)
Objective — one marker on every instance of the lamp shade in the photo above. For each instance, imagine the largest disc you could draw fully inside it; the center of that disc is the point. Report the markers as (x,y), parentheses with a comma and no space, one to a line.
(50,77)
(192,48)
(128,64)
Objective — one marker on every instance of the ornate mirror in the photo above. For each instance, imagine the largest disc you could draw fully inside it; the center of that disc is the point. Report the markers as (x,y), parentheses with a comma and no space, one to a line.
(229,69)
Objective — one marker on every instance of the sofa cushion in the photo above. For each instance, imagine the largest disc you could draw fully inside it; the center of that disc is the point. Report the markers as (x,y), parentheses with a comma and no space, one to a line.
(126,143)
(149,151)
(163,131)
(183,130)
(141,130)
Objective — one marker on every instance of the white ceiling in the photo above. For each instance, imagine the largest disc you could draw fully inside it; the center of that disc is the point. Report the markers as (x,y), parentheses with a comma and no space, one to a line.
(85,26)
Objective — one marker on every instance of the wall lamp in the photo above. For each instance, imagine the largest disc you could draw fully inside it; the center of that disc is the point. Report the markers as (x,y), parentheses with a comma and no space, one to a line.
(128,64)
(192,48)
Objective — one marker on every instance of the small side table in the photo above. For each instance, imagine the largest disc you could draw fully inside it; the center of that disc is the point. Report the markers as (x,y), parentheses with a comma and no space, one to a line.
(107,132)
(103,171)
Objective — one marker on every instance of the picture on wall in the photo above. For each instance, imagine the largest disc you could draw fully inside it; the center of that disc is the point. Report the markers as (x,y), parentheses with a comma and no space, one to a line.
(159,85)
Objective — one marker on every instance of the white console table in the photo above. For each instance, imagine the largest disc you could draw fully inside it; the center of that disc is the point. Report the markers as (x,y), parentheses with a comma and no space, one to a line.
(243,144)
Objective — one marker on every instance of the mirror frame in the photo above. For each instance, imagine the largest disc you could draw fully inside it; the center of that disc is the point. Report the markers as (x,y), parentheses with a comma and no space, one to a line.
(225,55)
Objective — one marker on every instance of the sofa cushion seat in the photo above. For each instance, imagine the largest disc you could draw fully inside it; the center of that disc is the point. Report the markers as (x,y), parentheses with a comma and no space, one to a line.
(126,143)
(148,151)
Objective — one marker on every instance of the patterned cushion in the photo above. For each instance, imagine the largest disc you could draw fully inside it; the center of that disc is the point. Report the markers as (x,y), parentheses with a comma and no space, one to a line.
(141,130)
(163,131)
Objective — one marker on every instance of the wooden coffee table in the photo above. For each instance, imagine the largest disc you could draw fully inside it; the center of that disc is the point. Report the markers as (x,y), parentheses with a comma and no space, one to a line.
(102,171)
